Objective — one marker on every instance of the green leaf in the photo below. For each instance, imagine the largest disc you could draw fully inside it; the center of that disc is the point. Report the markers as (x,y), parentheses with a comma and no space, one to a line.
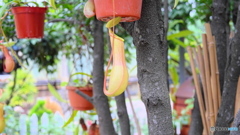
(175,3)
(81,73)
(3,9)
(18,60)
(183,33)
(52,4)
(36,4)
(8,44)
(63,84)
(55,93)
(74,113)
(76,132)
(91,113)
(174,75)
(173,23)
(113,22)
(179,42)
(133,68)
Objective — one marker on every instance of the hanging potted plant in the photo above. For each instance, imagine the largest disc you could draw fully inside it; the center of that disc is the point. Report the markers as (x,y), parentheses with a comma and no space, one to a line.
(29,20)
(76,101)
(115,11)
(128,10)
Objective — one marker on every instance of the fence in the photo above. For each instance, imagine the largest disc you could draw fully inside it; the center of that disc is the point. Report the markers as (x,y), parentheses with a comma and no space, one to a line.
(47,124)
(51,124)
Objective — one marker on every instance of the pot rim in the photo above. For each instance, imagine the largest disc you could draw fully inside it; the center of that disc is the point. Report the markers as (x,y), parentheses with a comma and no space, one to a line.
(22,10)
(84,88)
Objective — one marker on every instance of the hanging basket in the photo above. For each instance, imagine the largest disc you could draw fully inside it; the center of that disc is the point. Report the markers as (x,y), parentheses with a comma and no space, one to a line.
(76,101)
(129,10)
(29,21)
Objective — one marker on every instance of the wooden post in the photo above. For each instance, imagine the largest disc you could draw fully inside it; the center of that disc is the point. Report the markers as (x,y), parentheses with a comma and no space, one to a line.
(198,90)
(207,78)
(203,80)
(212,68)
(237,100)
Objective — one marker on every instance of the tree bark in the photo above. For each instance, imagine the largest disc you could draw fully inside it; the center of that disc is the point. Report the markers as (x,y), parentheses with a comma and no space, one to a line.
(99,99)
(226,111)
(123,114)
(196,127)
(148,36)
(219,27)
(236,124)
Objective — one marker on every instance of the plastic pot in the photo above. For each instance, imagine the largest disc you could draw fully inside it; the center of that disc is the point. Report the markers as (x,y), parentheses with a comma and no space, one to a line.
(76,101)
(129,10)
(29,21)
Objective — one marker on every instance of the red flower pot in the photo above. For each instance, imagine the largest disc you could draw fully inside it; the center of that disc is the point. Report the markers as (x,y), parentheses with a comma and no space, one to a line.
(129,10)
(29,21)
(76,101)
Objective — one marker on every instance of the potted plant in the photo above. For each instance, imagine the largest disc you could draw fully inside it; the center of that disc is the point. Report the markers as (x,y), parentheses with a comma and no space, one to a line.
(128,10)
(76,101)
(29,20)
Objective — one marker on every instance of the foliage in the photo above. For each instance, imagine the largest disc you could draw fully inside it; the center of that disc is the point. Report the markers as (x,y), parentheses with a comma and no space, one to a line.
(202,10)
(184,118)
(13,125)
(11,118)
(74,112)
(20,91)
(55,93)
(39,109)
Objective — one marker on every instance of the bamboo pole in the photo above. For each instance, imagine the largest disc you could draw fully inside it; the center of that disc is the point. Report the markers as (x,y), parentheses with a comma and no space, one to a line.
(212,68)
(203,80)
(217,74)
(207,78)
(198,90)
(237,99)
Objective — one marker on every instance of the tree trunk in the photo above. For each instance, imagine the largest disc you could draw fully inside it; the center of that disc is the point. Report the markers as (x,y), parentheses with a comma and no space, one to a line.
(99,99)
(236,124)
(219,28)
(226,111)
(196,127)
(123,114)
(148,36)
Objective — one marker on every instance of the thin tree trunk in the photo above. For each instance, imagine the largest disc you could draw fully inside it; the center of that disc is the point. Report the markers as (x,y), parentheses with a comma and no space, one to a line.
(99,99)
(148,36)
(196,127)
(123,114)
(219,25)
(13,88)
(226,111)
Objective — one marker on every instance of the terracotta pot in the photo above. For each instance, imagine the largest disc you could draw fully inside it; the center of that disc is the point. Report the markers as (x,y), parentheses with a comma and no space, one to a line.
(129,10)
(185,129)
(78,102)
(29,21)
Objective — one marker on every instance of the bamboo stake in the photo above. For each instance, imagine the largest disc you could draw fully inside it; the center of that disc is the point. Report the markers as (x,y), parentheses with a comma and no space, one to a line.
(203,80)
(198,90)
(237,100)
(217,75)
(212,68)
(207,78)
(198,64)
(213,80)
